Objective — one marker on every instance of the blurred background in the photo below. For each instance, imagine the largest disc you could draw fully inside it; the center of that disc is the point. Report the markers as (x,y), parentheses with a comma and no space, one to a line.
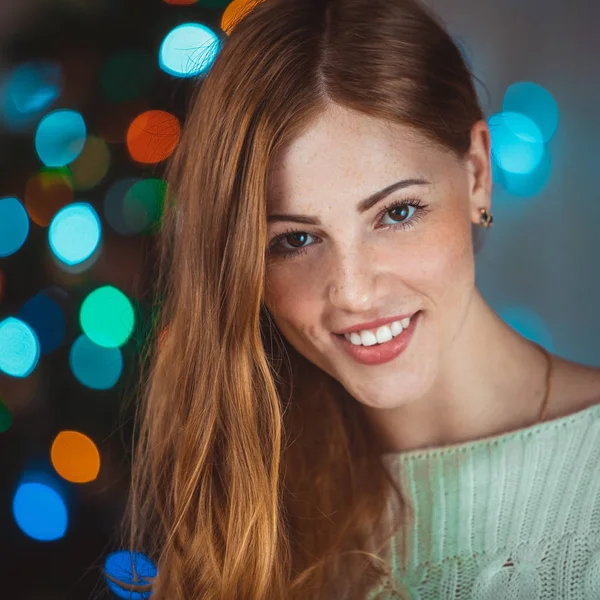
(92,99)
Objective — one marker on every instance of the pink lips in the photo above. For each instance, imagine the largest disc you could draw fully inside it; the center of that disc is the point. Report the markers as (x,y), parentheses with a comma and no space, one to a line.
(381,353)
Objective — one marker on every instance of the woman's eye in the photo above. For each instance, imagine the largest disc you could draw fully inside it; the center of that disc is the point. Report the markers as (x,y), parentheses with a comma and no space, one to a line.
(402,211)
(403,214)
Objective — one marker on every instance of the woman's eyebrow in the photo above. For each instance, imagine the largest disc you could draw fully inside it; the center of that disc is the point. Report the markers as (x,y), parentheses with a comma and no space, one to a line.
(362,206)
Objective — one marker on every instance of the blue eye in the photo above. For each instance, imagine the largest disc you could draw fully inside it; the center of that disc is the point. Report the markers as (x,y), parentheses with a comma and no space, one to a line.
(402,211)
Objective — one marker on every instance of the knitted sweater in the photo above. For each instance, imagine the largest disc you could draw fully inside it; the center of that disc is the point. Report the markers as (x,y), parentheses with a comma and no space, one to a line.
(510,517)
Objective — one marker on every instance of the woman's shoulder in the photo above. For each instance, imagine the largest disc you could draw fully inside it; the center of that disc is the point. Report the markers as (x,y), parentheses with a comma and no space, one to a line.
(575,387)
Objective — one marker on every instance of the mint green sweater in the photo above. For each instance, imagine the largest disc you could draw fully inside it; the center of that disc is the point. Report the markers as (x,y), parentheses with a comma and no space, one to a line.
(510,517)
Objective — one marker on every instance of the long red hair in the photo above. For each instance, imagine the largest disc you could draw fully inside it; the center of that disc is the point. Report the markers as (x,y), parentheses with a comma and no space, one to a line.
(255,474)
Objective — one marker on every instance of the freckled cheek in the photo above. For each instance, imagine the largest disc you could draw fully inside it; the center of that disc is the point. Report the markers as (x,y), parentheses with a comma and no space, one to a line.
(291,301)
(446,264)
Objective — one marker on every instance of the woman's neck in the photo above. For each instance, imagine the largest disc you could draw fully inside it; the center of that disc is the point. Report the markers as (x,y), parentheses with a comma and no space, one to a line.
(492,380)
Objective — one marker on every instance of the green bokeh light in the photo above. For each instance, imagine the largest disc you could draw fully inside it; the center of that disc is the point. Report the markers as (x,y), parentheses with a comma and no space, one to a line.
(143,205)
(107,317)
(5,418)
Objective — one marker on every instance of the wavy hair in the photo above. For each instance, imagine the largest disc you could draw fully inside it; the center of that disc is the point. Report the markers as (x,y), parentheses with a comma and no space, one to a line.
(255,475)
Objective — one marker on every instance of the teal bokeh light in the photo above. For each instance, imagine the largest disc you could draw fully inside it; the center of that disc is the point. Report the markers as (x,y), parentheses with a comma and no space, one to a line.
(74,233)
(188,50)
(27,92)
(535,102)
(19,348)
(517,142)
(94,366)
(527,185)
(14,226)
(107,317)
(60,137)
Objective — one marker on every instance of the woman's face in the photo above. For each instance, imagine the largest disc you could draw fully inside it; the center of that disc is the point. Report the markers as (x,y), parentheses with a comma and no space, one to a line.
(358,265)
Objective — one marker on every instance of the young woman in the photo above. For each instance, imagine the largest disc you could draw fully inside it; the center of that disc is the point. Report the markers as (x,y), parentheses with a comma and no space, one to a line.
(332,410)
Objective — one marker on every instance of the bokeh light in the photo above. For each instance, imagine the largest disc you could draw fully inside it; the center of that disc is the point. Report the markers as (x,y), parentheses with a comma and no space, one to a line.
(152,136)
(19,348)
(533,101)
(127,75)
(114,203)
(143,204)
(40,511)
(75,233)
(47,192)
(75,457)
(234,12)
(527,185)
(188,50)
(14,226)
(60,137)
(90,167)
(107,317)
(95,367)
(517,142)
(27,92)
(118,568)
(5,417)
(46,318)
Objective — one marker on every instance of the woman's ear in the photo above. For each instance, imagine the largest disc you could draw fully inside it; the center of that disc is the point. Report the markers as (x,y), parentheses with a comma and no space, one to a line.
(480,169)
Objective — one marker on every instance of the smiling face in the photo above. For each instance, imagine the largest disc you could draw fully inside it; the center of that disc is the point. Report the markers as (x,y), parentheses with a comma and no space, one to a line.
(354,263)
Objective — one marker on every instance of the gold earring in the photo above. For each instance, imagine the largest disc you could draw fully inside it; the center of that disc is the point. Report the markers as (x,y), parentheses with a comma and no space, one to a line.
(486,219)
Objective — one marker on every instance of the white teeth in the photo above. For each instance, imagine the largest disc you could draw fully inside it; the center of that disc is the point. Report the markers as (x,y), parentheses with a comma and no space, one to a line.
(354,337)
(368,338)
(383,334)
(398,326)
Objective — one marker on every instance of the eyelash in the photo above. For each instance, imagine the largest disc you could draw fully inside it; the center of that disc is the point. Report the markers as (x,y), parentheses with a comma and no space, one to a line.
(416,203)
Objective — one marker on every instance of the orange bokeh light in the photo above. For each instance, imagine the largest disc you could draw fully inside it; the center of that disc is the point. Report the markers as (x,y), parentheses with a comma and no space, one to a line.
(152,136)
(235,11)
(75,457)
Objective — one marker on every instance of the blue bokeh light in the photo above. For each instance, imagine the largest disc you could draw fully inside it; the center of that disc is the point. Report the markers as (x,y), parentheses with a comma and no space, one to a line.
(114,203)
(94,366)
(46,318)
(530,184)
(14,226)
(535,102)
(75,233)
(19,348)
(517,142)
(60,137)
(188,50)
(40,511)
(29,90)
(118,565)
